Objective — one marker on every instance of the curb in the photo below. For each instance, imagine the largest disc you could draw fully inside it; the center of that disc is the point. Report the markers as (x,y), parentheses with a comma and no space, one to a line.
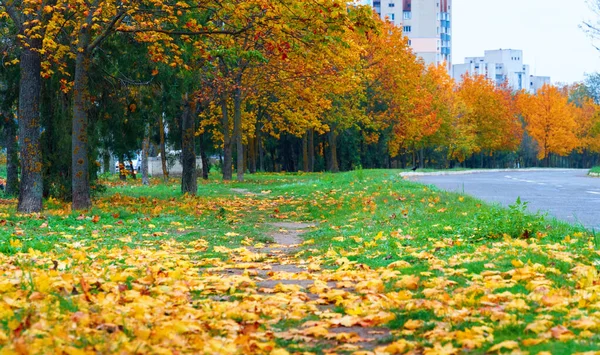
(480,171)
(594,175)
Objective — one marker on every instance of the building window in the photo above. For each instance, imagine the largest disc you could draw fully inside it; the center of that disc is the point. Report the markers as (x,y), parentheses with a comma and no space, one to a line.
(406,29)
(407,15)
(392,17)
(391,4)
(409,42)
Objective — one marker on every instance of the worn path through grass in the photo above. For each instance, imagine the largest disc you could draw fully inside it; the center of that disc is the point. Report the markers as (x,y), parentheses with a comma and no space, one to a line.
(361,262)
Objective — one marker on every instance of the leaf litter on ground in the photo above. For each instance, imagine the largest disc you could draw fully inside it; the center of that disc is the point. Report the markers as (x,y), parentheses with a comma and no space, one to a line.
(378,266)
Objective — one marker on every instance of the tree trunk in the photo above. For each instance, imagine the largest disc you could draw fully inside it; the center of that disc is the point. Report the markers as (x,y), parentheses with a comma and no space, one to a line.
(145,149)
(204,157)
(12,159)
(227,152)
(311,150)
(305,152)
(163,150)
(261,151)
(105,161)
(112,167)
(80,172)
(31,185)
(122,170)
(132,169)
(333,161)
(237,131)
(188,152)
(252,155)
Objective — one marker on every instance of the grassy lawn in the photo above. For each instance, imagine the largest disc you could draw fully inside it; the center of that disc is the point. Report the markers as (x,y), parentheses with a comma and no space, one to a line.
(391,266)
(595,170)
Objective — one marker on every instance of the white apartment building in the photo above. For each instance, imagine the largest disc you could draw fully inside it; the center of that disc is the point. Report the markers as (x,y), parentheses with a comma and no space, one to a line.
(502,65)
(536,82)
(426,23)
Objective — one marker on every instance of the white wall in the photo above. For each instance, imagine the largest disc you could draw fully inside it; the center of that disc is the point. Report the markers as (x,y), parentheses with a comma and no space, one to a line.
(155,167)
(536,82)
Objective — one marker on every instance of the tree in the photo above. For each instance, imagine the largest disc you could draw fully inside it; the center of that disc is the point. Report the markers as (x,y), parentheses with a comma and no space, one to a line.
(587,116)
(30,20)
(592,86)
(550,121)
(391,80)
(592,27)
(486,119)
(9,81)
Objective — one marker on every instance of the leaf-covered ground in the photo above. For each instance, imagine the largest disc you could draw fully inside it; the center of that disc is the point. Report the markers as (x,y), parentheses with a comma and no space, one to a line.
(362,262)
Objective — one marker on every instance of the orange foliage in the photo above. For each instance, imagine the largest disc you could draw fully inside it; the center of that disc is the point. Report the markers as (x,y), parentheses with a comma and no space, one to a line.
(486,118)
(550,121)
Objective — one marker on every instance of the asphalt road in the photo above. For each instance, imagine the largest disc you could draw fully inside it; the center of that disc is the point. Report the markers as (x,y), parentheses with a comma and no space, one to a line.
(569,195)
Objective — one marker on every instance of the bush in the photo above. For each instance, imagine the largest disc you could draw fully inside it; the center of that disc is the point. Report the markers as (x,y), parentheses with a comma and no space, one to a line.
(516,222)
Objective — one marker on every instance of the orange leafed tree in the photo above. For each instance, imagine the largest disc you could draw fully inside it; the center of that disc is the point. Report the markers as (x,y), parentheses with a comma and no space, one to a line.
(550,121)
(392,78)
(433,109)
(486,118)
(587,116)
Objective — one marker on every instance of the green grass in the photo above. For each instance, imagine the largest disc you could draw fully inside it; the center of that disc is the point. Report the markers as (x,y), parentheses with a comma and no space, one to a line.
(370,217)
(595,170)
(367,209)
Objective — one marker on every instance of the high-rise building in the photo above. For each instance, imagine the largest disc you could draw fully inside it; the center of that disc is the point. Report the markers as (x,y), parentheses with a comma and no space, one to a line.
(501,65)
(426,23)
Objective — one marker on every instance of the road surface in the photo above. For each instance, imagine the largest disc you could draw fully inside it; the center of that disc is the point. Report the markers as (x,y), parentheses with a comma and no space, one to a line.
(569,195)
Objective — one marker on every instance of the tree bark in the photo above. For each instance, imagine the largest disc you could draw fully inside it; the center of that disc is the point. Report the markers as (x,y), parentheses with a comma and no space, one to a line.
(261,151)
(163,150)
(311,150)
(204,157)
(112,168)
(252,155)
(145,150)
(237,130)
(106,161)
(227,151)
(188,152)
(31,186)
(305,164)
(12,159)
(80,172)
(333,161)
(132,168)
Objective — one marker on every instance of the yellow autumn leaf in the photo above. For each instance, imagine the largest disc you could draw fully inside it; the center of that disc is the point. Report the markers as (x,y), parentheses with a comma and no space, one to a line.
(533,341)
(413,324)
(505,345)
(316,331)
(409,282)
(15,243)
(539,326)
(438,349)
(517,263)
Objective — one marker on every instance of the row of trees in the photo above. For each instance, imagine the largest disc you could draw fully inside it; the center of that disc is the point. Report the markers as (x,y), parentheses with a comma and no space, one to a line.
(272,84)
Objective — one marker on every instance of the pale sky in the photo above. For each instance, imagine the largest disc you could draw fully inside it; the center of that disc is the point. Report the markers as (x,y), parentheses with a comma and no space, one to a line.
(546,30)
